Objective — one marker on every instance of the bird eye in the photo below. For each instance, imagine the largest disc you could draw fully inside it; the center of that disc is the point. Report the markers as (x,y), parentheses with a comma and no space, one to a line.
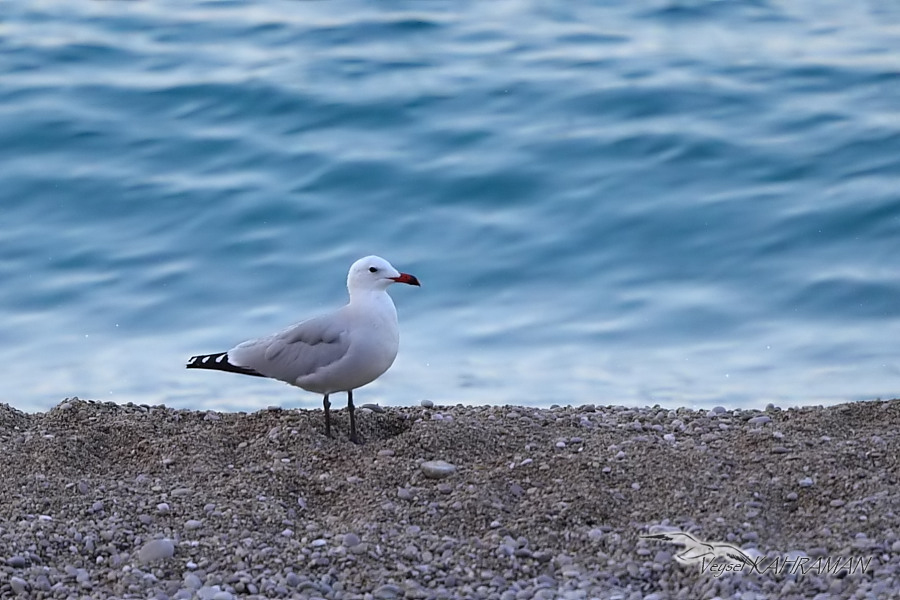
(373,269)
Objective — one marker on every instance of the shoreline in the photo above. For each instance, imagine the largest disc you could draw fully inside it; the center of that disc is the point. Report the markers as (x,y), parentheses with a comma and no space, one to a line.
(543,503)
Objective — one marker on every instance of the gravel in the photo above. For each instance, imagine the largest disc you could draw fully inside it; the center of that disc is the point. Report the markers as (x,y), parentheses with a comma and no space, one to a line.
(123,501)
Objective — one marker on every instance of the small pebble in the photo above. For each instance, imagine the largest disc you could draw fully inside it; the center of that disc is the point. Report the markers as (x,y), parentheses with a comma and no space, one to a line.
(16,562)
(18,585)
(156,550)
(437,469)
(388,591)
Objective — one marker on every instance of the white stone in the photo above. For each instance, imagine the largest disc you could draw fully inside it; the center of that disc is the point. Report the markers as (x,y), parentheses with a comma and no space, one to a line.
(437,469)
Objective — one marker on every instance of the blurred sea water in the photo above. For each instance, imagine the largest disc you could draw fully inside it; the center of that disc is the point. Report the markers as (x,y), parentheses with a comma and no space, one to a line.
(685,203)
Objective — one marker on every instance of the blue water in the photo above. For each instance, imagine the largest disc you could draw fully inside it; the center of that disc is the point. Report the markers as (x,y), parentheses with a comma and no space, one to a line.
(688,203)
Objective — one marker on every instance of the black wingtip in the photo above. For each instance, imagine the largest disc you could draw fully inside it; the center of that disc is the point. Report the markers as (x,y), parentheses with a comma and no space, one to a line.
(218,362)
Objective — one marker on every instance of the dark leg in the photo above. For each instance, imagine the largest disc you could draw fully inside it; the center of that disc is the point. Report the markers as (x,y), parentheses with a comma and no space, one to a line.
(352,409)
(327,406)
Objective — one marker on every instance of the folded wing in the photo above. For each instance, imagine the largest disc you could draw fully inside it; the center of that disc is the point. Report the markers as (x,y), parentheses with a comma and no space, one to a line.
(296,352)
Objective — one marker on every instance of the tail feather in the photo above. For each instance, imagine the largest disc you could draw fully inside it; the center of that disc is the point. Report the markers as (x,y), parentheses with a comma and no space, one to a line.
(218,362)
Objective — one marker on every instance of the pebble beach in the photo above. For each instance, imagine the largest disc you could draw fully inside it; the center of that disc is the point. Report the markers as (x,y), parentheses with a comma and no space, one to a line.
(133,501)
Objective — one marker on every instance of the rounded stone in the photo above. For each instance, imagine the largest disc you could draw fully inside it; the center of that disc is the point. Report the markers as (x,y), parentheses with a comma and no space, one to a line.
(387,591)
(192,581)
(18,585)
(16,562)
(437,469)
(156,550)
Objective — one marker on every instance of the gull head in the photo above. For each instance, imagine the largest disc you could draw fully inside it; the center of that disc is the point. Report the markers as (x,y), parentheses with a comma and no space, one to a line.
(375,273)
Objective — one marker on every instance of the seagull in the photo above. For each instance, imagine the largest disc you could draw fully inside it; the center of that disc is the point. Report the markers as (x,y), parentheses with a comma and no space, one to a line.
(695,550)
(335,352)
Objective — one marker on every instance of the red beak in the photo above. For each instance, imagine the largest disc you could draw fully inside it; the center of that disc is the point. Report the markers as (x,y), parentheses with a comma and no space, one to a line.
(406,278)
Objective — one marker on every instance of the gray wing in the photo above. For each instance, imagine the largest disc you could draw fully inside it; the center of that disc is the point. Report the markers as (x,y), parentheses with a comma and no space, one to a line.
(296,352)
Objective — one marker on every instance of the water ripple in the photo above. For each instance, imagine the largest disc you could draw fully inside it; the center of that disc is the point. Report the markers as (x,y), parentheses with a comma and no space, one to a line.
(683,202)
